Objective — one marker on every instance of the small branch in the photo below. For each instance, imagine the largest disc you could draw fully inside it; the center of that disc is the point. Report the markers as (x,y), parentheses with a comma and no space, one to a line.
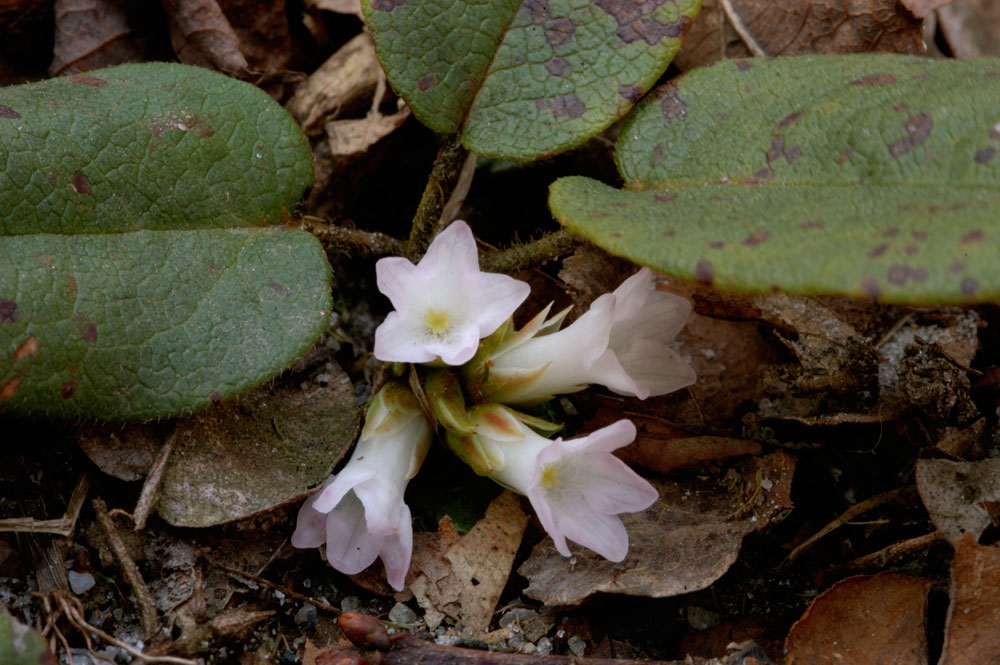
(147,498)
(63,526)
(277,587)
(849,514)
(350,241)
(462,186)
(445,174)
(882,557)
(531,254)
(742,30)
(147,608)
(373,644)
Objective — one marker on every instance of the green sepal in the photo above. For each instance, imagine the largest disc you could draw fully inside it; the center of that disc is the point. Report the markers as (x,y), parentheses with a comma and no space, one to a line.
(444,392)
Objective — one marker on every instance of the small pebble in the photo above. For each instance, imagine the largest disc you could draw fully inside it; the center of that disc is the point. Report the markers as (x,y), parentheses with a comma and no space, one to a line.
(80,583)
(700,618)
(402,614)
(306,617)
(516,615)
(350,604)
(516,642)
(544,646)
(577,646)
(529,647)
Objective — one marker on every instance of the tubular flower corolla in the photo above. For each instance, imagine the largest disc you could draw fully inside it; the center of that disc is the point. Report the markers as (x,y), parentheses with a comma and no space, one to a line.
(621,342)
(359,513)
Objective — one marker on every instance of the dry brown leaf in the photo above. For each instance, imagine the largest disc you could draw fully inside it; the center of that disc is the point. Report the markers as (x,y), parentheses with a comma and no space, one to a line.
(972,27)
(972,630)
(125,452)
(202,35)
(711,38)
(683,543)
(92,34)
(864,620)
(338,6)
(958,495)
(791,27)
(340,86)
(466,581)
(964,443)
(832,354)
(350,138)
(924,8)
(261,27)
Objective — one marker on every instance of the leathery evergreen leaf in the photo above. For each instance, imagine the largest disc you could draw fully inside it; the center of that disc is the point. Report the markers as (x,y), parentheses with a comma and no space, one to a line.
(872,175)
(120,295)
(522,79)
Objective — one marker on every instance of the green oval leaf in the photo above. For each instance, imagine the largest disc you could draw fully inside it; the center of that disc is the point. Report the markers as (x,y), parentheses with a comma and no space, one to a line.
(525,78)
(146,146)
(874,176)
(20,645)
(120,298)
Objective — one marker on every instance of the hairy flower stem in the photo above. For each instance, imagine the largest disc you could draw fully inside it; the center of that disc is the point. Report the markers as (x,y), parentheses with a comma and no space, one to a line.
(444,176)
(353,242)
(531,254)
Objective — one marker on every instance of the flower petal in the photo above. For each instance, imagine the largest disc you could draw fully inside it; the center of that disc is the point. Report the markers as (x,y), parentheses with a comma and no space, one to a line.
(396,342)
(453,250)
(397,550)
(310,526)
(459,348)
(612,487)
(350,548)
(604,534)
(497,297)
(654,369)
(401,282)
(350,477)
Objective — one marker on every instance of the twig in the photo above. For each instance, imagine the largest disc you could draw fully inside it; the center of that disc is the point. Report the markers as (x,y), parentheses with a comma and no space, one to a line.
(445,173)
(277,587)
(742,30)
(531,254)
(152,485)
(354,242)
(72,609)
(880,558)
(450,212)
(147,608)
(63,526)
(373,644)
(845,517)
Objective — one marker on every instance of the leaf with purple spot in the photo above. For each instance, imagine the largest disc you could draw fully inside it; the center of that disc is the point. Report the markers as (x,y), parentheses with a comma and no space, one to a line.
(522,79)
(854,175)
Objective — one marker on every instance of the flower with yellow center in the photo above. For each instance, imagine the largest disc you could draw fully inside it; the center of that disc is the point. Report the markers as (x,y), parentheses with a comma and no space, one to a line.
(444,304)
(577,487)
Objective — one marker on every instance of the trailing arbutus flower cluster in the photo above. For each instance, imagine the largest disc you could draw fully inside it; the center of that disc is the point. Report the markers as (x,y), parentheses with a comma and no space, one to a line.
(480,372)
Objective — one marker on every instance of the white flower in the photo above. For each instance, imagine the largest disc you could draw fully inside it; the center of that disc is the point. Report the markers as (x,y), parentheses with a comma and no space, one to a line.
(621,342)
(576,487)
(359,513)
(444,304)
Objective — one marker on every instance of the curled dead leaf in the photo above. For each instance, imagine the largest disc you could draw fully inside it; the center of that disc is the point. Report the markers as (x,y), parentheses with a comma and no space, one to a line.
(958,495)
(683,543)
(791,27)
(864,620)
(971,634)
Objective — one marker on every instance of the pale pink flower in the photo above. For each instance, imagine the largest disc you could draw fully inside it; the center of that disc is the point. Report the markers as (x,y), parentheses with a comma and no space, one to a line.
(359,513)
(577,487)
(622,342)
(444,304)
